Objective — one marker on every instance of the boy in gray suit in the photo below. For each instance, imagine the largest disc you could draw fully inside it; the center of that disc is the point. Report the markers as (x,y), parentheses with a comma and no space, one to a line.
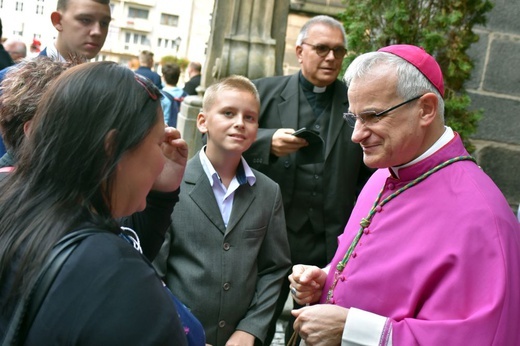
(227,251)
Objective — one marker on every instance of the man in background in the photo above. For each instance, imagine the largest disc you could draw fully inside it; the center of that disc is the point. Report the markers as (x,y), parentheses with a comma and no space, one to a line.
(194,71)
(16,49)
(5,58)
(319,181)
(145,68)
(82,27)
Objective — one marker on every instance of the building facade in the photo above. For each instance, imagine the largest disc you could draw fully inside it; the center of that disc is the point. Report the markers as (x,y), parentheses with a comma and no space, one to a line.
(165,27)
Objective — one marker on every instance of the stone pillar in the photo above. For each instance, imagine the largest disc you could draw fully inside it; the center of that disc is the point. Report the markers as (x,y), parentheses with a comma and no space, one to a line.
(247,38)
(187,123)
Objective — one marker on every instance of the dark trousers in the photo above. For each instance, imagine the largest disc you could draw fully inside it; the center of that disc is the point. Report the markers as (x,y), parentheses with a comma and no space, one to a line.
(308,255)
(280,304)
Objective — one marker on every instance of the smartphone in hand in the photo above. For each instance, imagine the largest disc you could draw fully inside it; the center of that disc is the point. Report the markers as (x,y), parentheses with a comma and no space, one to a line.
(310,136)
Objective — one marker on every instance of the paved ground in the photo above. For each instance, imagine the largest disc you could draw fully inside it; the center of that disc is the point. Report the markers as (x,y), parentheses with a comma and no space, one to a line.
(279,337)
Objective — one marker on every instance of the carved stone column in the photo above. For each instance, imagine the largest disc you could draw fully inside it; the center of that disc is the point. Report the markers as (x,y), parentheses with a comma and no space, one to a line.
(187,123)
(247,38)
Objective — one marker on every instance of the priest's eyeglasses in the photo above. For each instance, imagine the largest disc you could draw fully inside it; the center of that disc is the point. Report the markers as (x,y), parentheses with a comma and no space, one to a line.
(323,50)
(371,117)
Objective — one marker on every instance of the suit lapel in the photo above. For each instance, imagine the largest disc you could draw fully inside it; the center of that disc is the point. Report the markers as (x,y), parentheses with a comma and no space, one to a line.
(288,108)
(201,192)
(242,200)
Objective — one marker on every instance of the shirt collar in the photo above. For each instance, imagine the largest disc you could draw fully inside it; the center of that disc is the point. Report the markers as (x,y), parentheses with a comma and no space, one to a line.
(446,137)
(52,52)
(244,173)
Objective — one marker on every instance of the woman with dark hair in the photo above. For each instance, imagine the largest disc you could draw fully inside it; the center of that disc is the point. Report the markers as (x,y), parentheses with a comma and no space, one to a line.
(21,91)
(94,152)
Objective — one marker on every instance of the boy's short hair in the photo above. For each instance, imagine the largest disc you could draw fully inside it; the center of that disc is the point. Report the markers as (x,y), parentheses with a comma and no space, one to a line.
(233,82)
(171,73)
(62,4)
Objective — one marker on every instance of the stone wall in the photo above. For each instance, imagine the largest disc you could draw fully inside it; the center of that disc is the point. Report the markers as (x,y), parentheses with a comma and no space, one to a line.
(495,88)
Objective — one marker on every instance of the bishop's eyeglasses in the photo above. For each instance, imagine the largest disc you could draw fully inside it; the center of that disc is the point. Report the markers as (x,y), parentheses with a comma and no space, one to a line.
(371,117)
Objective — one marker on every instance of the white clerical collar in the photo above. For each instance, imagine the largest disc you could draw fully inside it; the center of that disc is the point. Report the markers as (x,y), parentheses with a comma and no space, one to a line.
(308,86)
(447,136)
(319,90)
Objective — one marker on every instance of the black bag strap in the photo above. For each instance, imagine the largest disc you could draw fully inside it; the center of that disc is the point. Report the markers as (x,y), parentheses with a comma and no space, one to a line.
(29,305)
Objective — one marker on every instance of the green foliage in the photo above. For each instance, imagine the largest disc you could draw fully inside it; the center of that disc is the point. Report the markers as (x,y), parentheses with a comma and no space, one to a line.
(183,63)
(444,28)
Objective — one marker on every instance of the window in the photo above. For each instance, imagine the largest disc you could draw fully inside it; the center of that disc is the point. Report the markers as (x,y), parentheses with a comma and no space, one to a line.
(137,13)
(19,6)
(134,39)
(39,9)
(169,19)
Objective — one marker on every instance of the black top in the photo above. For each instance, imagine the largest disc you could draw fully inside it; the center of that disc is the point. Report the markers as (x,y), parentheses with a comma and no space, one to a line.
(5,58)
(319,100)
(191,85)
(151,75)
(152,223)
(107,293)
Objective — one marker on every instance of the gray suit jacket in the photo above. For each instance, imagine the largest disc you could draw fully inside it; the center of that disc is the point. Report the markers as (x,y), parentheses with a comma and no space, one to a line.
(344,171)
(229,277)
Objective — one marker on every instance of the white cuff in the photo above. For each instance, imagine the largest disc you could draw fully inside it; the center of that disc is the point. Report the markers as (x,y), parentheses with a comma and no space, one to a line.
(364,328)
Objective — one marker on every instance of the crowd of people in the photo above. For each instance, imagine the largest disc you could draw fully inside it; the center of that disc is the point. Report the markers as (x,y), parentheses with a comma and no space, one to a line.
(352,197)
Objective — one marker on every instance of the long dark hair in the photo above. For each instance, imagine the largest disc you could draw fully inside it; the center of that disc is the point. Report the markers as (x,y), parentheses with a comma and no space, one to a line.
(90,116)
